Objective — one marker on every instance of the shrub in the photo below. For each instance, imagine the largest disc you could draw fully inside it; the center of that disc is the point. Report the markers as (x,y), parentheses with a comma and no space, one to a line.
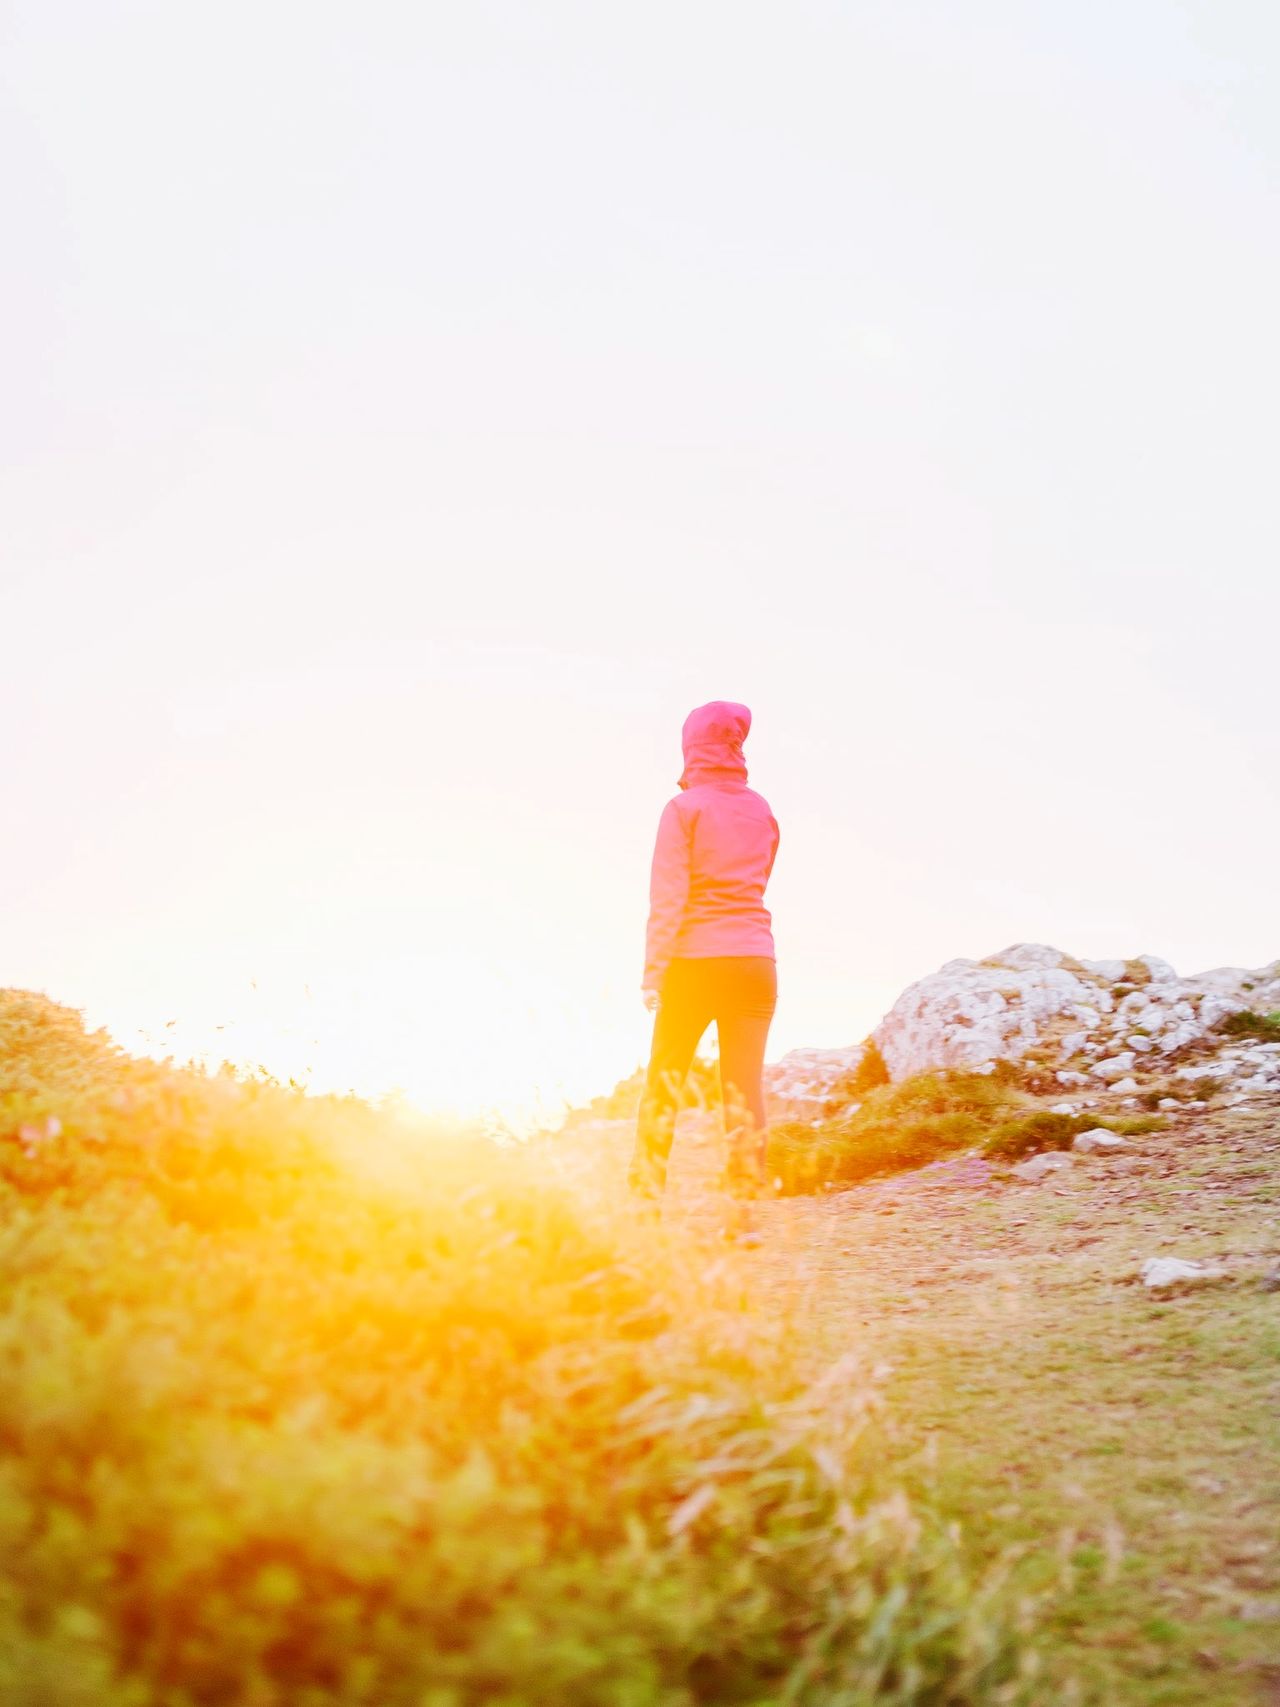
(1134,1125)
(1039,1130)
(1247,1024)
(303,1403)
(897,1126)
(869,1073)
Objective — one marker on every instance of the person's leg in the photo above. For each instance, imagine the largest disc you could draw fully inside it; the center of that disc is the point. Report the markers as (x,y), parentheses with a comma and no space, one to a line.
(748,995)
(683,1015)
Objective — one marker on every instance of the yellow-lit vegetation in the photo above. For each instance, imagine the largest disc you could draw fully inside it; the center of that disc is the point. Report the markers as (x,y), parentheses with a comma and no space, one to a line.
(302,1406)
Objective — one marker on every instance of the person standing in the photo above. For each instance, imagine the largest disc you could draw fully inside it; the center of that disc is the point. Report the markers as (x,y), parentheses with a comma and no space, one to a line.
(709,950)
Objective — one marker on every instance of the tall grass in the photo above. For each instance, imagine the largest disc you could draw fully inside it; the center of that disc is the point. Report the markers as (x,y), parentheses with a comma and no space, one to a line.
(299,1408)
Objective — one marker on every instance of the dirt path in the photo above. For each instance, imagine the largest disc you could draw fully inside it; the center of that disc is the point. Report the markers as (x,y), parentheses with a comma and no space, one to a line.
(1126,1446)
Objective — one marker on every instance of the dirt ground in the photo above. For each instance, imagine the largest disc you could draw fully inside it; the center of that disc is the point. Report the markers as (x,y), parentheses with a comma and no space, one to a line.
(1122,1448)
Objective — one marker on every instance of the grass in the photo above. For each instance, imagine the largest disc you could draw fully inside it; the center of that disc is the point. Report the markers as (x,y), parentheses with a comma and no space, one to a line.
(925,1119)
(1127,1448)
(304,1405)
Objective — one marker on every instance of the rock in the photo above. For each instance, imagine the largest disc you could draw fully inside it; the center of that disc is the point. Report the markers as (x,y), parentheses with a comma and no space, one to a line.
(1036,1168)
(1159,1272)
(1160,970)
(1168,1104)
(1179,1035)
(1114,1067)
(1067,1077)
(1214,1009)
(973,1014)
(797,1086)
(1099,1142)
(1062,1108)
(1125,1087)
(1024,956)
(1110,971)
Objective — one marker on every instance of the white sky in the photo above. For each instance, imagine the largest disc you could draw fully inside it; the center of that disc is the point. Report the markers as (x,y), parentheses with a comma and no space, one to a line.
(410,411)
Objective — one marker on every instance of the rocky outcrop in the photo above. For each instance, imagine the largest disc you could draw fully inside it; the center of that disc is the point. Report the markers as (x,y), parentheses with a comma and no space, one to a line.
(799,1086)
(1101,1028)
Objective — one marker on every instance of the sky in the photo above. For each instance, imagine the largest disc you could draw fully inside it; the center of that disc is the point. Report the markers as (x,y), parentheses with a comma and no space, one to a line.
(410,411)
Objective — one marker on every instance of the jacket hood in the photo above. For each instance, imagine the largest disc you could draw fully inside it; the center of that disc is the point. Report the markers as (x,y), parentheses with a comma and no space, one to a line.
(712,739)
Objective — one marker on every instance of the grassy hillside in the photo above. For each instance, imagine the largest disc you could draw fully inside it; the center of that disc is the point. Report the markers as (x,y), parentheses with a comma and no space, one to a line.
(302,1406)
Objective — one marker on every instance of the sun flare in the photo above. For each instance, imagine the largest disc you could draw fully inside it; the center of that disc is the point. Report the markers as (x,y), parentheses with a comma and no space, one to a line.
(449,1037)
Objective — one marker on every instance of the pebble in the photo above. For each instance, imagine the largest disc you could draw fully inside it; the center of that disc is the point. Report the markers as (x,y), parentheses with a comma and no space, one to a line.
(1099,1142)
(1159,1272)
(1036,1168)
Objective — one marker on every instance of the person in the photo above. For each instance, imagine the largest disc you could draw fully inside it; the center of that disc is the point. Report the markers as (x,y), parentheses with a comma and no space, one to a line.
(709,950)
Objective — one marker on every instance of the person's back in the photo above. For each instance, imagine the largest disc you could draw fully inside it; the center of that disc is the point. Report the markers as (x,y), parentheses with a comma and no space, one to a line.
(709,951)
(717,841)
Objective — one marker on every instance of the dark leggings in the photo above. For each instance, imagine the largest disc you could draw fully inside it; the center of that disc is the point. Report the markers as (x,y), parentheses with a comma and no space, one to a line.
(739,992)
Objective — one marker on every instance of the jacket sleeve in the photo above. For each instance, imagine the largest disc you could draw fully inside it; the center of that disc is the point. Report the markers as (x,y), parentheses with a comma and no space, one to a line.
(668,893)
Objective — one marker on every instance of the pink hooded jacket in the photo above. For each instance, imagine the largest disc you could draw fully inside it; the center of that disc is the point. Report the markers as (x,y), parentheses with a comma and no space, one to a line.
(716,845)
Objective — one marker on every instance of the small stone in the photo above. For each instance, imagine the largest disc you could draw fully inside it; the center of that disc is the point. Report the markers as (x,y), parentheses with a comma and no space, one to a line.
(1168,1103)
(1137,1041)
(1035,1168)
(1114,1067)
(1125,1087)
(1158,1272)
(1067,1077)
(1099,1142)
(1062,1108)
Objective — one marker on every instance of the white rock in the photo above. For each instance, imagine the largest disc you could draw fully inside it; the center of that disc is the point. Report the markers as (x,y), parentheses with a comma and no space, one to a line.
(1157,1272)
(1065,1076)
(1160,970)
(1168,1103)
(972,1013)
(1125,1087)
(1137,1041)
(1110,970)
(1178,1036)
(1098,1142)
(1114,1067)
(1035,1168)
(1214,1009)
(1025,956)
(1062,1108)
